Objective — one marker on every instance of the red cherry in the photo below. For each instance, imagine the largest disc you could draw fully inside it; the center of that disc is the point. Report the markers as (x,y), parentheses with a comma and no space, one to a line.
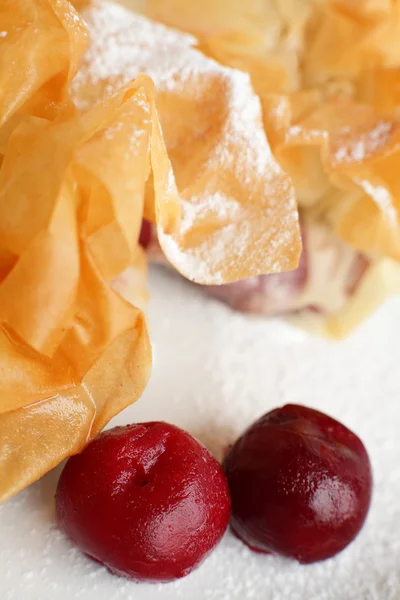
(300,484)
(148,501)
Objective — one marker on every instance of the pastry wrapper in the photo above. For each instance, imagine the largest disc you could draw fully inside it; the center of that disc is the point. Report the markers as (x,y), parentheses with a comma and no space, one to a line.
(74,351)
(81,172)
(328,76)
(237,215)
(34,77)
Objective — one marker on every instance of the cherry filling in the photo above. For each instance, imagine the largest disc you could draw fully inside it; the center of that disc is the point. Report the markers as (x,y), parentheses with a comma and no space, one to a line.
(145,234)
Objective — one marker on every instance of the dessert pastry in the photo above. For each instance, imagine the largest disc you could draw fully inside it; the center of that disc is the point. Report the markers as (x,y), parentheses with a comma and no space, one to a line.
(82,161)
(300,484)
(148,501)
(327,76)
(234,196)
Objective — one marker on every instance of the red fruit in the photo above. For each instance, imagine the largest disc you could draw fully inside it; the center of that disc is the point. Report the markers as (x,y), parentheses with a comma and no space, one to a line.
(145,234)
(148,501)
(300,484)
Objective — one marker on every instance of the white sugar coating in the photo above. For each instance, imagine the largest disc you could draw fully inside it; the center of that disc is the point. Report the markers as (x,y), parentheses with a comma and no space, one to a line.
(295,130)
(133,44)
(216,372)
(225,208)
(123,44)
(195,262)
(364,145)
(382,197)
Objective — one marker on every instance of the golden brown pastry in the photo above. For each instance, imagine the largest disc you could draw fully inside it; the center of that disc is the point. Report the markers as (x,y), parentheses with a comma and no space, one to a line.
(238,211)
(336,124)
(73,351)
(327,73)
(80,172)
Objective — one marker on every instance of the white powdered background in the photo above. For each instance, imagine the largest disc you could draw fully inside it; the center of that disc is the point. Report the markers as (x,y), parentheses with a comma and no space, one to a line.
(215,372)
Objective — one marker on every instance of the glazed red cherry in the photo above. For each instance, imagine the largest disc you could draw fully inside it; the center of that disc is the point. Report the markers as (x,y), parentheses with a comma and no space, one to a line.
(148,501)
(300,484)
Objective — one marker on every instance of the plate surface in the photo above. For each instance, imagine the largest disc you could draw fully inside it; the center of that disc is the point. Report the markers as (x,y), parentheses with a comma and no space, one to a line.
(216,371)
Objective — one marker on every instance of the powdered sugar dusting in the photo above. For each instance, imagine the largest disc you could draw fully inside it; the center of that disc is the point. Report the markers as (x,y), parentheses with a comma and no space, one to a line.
(244,123)
(224,208)
(124,44)
(223,388)
(130,130)
(197,262)
(217,372)
(360,147)
(296,131)
(382,197)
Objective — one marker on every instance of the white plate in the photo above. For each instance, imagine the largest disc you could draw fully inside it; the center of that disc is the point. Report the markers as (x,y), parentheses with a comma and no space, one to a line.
(215,371)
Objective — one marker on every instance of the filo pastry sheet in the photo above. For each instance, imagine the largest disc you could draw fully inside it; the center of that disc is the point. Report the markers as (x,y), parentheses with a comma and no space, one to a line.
(327,73)
(238,210)
(77,175)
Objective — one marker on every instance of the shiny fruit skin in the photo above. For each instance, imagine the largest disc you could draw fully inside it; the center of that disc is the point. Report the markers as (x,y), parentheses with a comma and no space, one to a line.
(300,484)
(148,501)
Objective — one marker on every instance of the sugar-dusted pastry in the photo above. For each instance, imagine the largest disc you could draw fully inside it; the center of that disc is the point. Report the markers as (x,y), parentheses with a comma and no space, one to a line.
(238,211)
(327,74)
